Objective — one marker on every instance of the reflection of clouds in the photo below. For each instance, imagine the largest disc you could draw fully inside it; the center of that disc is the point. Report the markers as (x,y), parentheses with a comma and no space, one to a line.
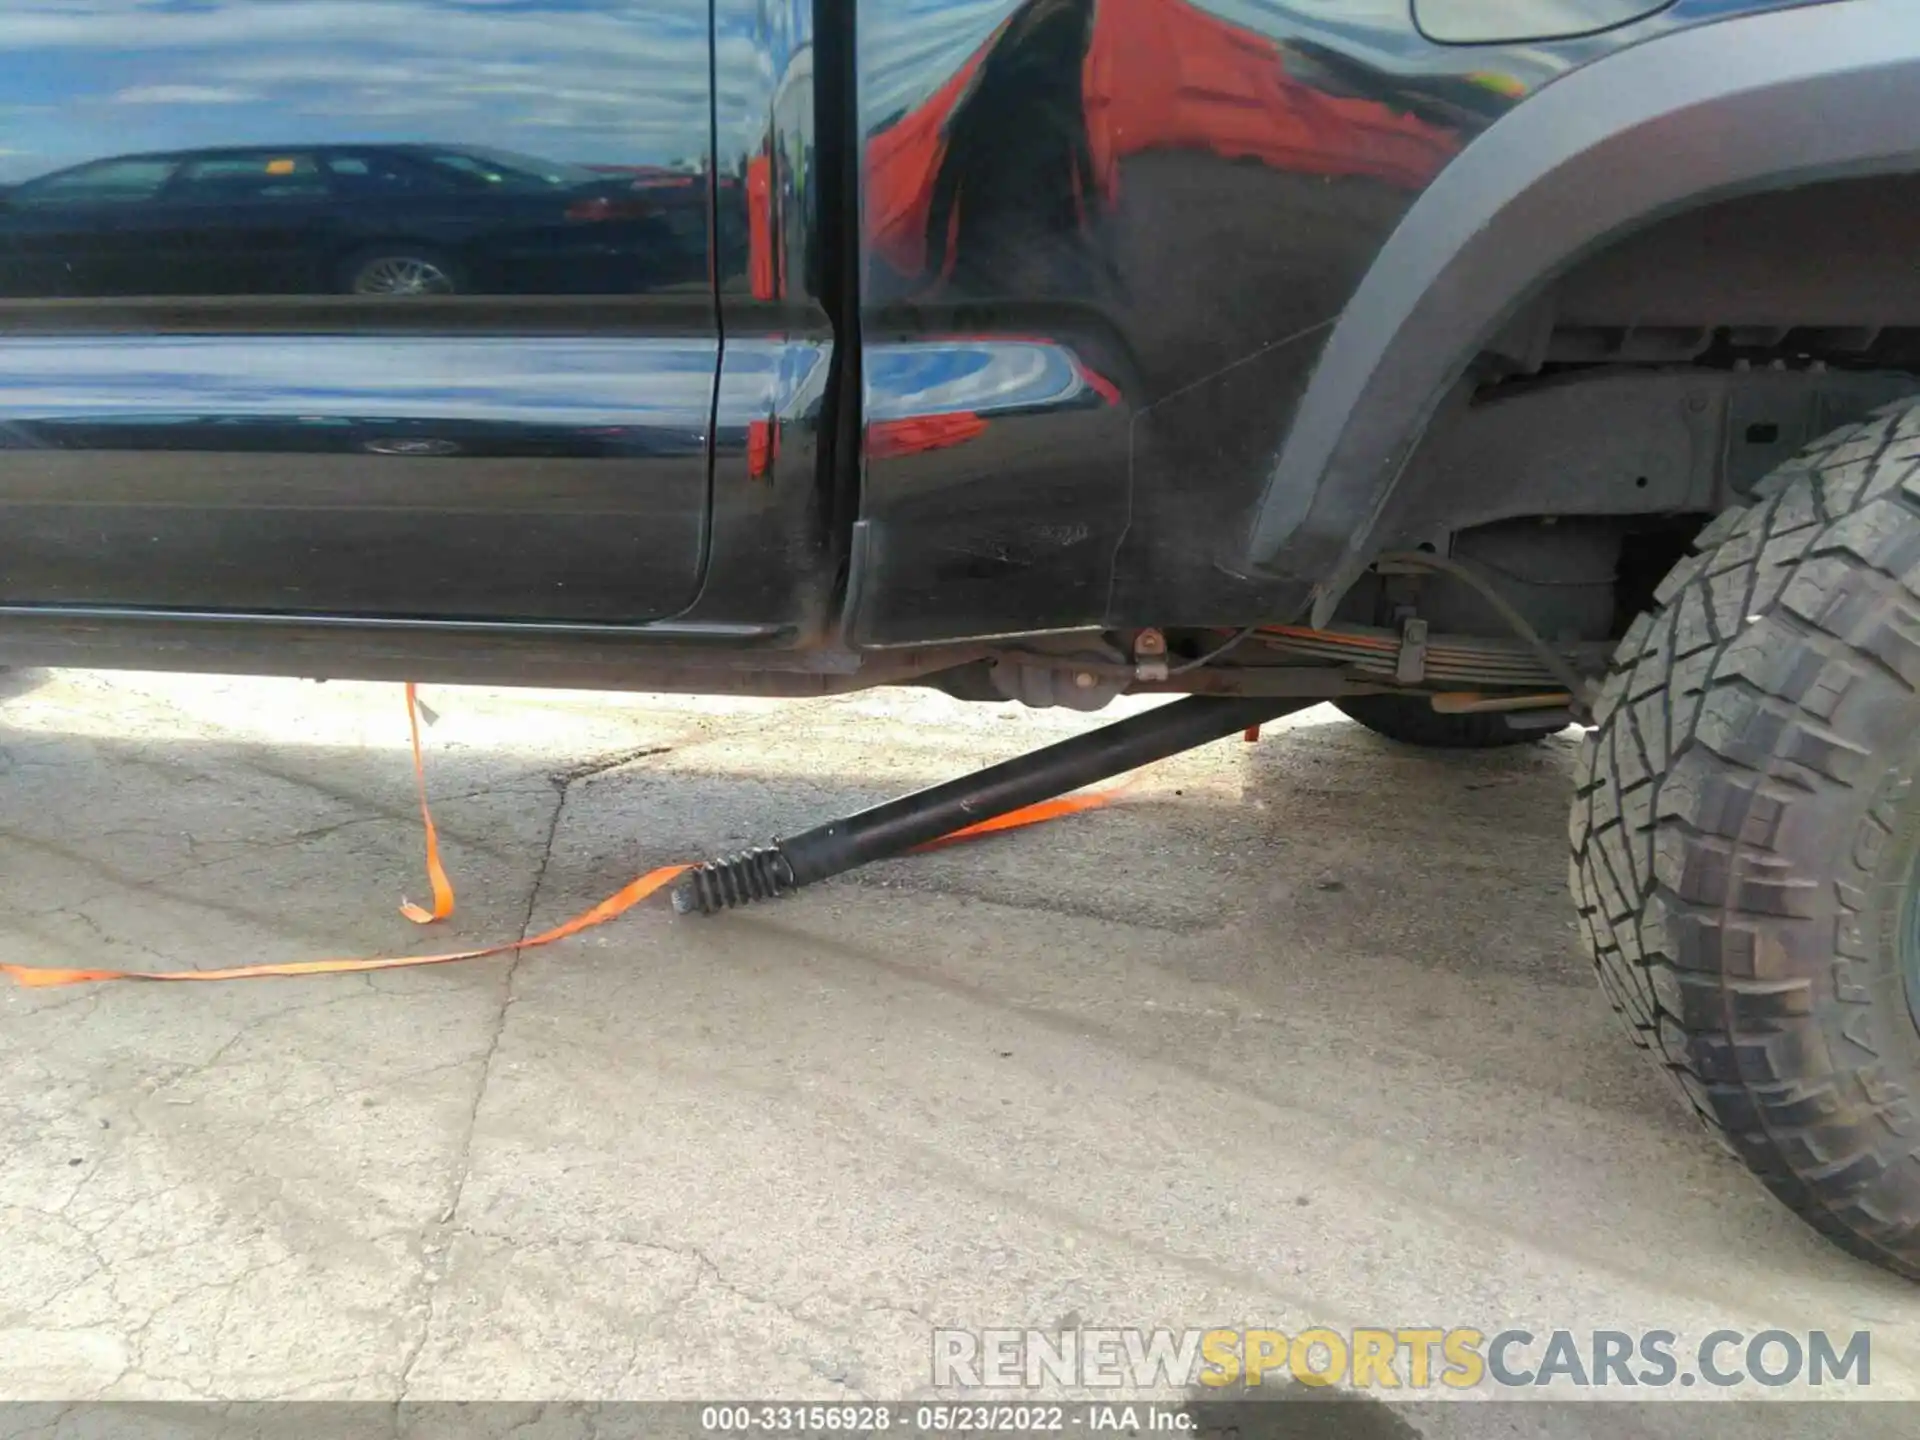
(1472,20)
(910,48)
(904,379)
(528,381)
(183,95)
(1377,33)
(751,47)
(624,82)
(435,26)
(570,382)
(764,378)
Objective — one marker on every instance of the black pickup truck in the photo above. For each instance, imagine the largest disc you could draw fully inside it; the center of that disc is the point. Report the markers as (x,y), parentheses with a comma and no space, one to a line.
(1481,366)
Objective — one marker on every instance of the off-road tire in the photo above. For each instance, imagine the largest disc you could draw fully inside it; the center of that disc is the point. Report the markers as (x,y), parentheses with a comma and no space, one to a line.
(1745,829)
(1410,720)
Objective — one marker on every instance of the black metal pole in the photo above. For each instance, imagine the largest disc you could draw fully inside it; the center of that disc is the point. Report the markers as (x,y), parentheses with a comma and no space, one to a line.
(898,825)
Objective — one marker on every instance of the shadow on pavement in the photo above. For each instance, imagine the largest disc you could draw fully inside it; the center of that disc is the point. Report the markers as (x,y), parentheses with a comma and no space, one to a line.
(1292,1411)
(19,682)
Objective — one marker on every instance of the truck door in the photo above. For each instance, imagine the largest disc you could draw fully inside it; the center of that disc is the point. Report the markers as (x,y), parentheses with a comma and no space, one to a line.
(415,432)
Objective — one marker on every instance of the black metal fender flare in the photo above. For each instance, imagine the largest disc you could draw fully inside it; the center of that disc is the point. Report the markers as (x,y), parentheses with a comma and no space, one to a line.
(1750,103)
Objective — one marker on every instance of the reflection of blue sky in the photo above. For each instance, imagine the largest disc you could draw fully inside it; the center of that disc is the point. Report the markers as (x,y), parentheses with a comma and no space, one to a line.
(619,81)
(967,376)
(760,379)
(1498,19)
(528,381)
(758,43)
(903,378)
(909,48)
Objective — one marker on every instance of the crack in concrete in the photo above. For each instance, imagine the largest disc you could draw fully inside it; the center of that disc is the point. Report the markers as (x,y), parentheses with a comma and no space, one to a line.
(247,849)
(435,1248)
(45,1002)
(561,779)
(707,1273)
(893,1307)
(260,1022)
(78,912)
(237,851)
(136,1338)
(433,1240)
(437,1243)
(15,1314)
(49,1429)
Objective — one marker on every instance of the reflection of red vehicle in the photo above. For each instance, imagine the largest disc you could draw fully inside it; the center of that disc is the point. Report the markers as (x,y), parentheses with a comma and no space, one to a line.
(1163,75)
(1160,75)
(650,177)
(891,439)
(764,267)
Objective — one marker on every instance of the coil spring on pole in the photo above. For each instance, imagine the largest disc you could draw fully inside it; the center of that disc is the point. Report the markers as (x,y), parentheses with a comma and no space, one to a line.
(762,874)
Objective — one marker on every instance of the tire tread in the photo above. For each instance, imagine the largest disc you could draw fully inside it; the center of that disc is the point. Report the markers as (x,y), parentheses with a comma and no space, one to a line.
(1723,716)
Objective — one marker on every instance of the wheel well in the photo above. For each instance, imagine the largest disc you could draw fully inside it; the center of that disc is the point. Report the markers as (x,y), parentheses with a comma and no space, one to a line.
(1827,268)
(1655,384)
(1815,273)
(1764,103)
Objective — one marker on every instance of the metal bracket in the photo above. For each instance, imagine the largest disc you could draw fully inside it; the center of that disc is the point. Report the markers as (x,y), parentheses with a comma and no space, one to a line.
(1410,665)
(1150,655)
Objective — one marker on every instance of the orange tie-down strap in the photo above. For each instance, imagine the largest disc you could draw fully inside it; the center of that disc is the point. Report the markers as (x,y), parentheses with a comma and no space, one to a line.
(616,904)
(436,872)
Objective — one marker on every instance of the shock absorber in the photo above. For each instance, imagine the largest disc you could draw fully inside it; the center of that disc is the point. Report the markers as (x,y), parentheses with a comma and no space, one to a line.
(897,826)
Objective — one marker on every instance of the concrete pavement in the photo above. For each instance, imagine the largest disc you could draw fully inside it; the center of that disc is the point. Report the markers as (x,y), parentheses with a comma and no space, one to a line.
(1297,1034)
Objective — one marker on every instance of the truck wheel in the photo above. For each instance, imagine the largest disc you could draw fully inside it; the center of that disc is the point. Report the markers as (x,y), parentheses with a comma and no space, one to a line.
(1410,720)
(1746,834)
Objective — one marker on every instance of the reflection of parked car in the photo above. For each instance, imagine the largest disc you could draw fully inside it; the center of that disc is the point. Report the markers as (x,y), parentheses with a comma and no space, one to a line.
(358,219)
